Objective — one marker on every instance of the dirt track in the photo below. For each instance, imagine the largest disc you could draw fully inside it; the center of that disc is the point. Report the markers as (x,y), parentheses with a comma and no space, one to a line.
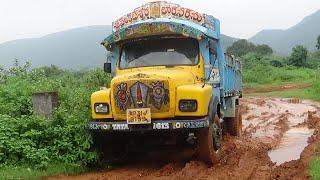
(249,90)
(269,123)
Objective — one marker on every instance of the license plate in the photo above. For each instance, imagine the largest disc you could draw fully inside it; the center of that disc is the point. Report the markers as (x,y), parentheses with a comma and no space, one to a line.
(139,116)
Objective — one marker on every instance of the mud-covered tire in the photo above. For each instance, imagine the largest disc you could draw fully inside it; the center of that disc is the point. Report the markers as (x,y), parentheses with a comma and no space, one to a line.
(110,152)
(206,150)
(233,125)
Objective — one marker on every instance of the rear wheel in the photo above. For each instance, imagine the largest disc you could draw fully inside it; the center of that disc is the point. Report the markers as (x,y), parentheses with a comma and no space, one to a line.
(234,124)
(209,142)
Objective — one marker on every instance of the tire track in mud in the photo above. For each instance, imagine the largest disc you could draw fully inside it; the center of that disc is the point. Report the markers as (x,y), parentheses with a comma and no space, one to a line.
(265,123)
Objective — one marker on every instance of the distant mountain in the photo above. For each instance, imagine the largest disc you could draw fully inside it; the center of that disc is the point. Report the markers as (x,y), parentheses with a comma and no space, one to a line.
(304,33)
(80,47)
(75,48)
(227,41)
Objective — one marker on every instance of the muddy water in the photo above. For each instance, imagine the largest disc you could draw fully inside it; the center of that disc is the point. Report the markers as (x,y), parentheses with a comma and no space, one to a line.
(291,145)
(277,122)
(294,140)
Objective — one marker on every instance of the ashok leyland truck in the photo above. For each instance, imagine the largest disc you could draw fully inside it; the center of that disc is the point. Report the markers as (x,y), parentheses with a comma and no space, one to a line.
(172,85)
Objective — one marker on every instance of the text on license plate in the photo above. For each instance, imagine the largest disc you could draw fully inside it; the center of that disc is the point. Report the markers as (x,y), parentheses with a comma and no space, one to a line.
(139,116)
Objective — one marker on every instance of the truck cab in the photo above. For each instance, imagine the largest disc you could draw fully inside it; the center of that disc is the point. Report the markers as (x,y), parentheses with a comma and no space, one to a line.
(171,82)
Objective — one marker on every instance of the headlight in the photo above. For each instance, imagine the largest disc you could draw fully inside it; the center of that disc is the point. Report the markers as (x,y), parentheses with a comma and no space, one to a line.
(188,105)
(101,108)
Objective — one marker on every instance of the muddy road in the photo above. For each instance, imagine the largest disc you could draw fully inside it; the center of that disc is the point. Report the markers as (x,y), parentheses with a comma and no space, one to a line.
(279,138)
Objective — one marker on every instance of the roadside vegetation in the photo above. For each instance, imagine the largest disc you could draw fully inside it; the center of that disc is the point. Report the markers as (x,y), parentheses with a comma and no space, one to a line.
(314,167)
(272,71)
(263,69)
(33,147)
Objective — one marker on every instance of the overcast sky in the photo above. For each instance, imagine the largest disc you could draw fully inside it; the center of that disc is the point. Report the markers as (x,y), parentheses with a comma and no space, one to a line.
(239,18)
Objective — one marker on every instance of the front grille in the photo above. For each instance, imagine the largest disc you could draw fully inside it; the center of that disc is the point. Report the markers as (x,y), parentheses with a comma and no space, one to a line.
(132,94)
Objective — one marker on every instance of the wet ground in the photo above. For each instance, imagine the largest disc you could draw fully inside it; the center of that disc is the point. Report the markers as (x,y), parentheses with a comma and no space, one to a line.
(292,144)
(279,138)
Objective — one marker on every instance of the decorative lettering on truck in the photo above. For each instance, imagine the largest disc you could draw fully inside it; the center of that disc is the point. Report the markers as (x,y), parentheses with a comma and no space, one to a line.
(158,10)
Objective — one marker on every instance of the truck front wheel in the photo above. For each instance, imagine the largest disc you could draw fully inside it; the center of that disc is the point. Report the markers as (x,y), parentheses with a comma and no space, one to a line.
(111,152)
(209,142)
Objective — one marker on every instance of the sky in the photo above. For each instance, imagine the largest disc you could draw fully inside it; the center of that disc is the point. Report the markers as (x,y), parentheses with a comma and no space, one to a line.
(239,18)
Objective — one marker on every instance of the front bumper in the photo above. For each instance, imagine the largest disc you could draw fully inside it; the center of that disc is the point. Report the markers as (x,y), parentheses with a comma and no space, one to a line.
(156,125)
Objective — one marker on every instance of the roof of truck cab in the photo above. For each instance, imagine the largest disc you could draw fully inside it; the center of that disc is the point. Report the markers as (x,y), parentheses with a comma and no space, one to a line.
(163,18)
(161,26)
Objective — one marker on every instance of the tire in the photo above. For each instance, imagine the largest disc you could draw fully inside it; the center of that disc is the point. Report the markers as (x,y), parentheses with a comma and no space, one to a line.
(111,153)
(209,145)
(234,124)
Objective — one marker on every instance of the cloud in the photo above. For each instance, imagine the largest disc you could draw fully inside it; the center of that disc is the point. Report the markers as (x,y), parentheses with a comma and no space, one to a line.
(239,18)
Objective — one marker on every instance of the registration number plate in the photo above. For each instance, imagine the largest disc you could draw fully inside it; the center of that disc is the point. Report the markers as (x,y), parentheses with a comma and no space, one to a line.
(139,116)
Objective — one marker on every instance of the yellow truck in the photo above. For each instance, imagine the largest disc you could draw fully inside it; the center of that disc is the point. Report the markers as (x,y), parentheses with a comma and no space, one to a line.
(172,84)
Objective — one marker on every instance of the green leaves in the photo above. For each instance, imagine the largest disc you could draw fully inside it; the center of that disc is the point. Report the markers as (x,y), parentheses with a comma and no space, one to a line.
(272,70)
(318,43)
(298,56)
(28,139)
(243,47)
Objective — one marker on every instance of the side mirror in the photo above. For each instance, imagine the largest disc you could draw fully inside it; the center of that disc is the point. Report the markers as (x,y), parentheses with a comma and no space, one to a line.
(107,67)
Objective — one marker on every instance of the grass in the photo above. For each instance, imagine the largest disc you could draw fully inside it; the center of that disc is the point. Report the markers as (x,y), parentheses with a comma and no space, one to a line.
(315,168)
(26,172)
(261,78)
(306,93)
(270,76)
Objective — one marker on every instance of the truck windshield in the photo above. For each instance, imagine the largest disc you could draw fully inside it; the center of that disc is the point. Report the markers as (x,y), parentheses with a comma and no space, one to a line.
(157,52)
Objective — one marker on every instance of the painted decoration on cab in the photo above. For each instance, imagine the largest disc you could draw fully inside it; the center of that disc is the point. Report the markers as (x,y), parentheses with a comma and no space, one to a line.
(139,75)
(156,10)
(159,94)
(138,14)
(141,95)
(174,10)
(152,29)
(122,96)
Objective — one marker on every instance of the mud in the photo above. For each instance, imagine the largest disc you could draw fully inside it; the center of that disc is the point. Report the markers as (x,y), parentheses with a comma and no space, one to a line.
(249,90)
(270,126)
(291,146)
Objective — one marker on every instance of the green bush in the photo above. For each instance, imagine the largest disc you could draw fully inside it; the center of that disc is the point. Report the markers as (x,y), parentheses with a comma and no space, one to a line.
(26,139)
(316,88)
(314,167)
(261,70)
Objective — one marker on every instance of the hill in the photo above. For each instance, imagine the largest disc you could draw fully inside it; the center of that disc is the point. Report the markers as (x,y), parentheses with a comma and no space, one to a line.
(304,33)
(75,48)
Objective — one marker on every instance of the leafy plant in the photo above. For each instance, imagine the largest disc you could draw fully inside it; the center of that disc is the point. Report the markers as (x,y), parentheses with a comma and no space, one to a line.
(26,139)
(318,43)
(298,56)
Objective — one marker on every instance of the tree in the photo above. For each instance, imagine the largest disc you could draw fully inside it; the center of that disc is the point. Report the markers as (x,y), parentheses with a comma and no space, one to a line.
(263,50)
(52,70)
(318,43)
(276,63)
(298,56)
(241,47)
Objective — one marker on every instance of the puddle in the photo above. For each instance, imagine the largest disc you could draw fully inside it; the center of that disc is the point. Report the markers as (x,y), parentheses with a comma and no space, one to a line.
(291,146)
